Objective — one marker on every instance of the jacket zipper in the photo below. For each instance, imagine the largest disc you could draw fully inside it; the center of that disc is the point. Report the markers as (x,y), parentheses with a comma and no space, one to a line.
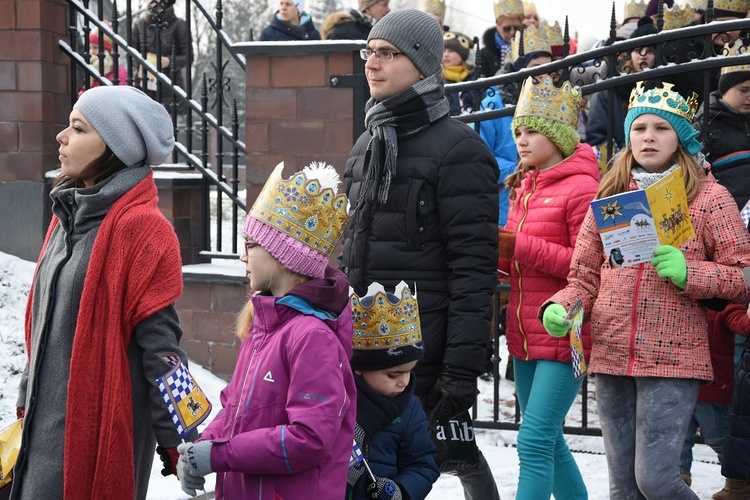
(518,269)
(634,319)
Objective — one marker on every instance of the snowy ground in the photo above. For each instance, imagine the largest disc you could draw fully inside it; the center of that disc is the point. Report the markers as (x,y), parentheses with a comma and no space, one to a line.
(498,446)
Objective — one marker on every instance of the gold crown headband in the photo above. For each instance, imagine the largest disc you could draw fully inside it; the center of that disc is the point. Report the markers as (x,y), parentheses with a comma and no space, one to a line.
(508,8)
(732,5)
(383,324)
(554,33)
(301,209)
(678,17)
(635,9)
(665,99)
(545,100)
(734,51)
(534,40)
(436,7)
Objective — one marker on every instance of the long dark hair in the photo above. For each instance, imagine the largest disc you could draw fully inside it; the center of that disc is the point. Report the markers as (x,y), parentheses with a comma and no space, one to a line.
(96,171)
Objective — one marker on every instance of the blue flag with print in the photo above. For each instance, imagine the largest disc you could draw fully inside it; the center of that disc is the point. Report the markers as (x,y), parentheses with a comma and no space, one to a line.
(187,404)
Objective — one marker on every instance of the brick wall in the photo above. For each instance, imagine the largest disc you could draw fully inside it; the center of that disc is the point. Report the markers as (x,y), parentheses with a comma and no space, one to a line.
(34,106)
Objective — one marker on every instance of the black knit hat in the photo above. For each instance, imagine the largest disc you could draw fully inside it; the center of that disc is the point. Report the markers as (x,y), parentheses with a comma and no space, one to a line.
(729,80)
(387,331)
(645,27)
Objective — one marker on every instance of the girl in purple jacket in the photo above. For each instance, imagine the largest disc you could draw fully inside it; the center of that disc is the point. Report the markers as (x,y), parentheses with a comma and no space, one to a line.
(550,192)
(287,423)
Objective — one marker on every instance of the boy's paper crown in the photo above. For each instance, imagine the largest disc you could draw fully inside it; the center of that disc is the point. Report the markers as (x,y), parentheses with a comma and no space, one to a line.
(508,8)
(387,331)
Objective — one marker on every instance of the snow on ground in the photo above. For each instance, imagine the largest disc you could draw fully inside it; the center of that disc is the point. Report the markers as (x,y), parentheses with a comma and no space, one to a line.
(498,446)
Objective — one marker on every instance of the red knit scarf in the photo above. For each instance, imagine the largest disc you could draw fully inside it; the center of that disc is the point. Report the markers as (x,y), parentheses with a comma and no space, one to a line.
(134,271)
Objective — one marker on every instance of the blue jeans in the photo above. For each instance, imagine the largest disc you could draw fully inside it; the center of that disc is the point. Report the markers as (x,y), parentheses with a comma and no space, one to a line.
(713,419)
(644,422)
(546,390)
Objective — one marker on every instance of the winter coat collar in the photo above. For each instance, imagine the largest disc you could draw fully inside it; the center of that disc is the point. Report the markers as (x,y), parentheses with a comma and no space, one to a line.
(581,162)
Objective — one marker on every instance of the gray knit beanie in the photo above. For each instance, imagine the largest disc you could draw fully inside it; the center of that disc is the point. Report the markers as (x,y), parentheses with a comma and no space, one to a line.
(414,33)
(135,127)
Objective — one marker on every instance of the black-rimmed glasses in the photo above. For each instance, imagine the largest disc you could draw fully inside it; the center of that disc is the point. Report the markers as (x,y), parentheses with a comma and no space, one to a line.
(382,55)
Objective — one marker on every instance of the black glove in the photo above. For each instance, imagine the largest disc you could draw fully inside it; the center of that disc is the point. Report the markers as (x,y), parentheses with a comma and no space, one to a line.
(451,395)
(386,490)
(169,458)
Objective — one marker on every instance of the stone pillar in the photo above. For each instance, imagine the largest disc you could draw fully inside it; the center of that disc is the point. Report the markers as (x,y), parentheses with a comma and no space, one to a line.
(34,107)
(293,111)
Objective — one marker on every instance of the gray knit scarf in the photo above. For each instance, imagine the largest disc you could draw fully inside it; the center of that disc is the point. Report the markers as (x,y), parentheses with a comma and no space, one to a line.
(400,116)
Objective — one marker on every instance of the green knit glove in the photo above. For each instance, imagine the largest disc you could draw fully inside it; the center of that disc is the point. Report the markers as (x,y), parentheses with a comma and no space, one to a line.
(555,320)
(670,263)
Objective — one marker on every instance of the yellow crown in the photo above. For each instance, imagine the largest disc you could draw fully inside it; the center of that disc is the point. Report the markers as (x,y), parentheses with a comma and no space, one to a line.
(534,40)
(733,5)
(678,17)
(545,100)
(436,7)
(664,99)
(735,50)
(508,8)
(301,209)
(635,9)
(380,323)
(554,33)
(529,6)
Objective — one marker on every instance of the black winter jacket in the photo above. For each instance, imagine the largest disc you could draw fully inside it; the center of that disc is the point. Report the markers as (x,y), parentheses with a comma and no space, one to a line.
(282,31)
(736,451)
(727,146)
(490,58)
(352,26)
(438,233)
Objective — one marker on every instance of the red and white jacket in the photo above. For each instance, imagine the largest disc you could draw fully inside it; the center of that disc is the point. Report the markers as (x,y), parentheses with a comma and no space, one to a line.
(643,325)
(547,213)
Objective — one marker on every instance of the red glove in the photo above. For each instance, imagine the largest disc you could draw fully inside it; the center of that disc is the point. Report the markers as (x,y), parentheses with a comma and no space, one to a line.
(20,412)
(169,458)
(507,243)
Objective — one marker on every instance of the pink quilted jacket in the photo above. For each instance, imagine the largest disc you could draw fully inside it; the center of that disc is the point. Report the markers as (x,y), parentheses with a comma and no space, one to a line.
(643,325)
(547,213)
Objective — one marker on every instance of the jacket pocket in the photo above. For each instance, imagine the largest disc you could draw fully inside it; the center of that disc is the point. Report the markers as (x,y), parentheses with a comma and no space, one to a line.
(415,204)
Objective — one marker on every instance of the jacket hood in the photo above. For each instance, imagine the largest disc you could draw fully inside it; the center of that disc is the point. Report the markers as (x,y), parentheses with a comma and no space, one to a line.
(330,293)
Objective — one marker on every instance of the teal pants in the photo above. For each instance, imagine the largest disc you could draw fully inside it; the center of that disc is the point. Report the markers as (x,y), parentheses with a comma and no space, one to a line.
(546,390)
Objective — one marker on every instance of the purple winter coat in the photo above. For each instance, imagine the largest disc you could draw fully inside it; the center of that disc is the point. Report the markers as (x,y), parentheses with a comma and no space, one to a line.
(287,423)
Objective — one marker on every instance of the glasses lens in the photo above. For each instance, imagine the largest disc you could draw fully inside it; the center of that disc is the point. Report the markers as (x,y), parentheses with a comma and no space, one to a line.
(365,54)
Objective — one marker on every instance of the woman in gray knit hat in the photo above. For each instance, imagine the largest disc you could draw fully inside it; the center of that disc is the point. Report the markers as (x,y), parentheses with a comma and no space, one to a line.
(100,315)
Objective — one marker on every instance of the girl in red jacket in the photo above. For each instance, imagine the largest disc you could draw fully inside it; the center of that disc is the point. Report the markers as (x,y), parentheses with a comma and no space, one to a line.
(550,192)
(648,329)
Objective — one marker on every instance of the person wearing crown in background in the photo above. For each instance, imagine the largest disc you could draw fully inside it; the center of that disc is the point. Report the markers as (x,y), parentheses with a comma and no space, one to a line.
(496,51)
(291,435)
(648,329)
(436,10)
(530,14)
(557,178)
(424,188)
(391,431)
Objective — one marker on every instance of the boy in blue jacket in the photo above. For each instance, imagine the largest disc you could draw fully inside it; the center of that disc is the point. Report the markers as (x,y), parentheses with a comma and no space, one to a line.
(391,431)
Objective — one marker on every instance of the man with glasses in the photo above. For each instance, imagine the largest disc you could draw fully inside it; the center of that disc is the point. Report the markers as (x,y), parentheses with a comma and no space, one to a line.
(496,52)
(423,187)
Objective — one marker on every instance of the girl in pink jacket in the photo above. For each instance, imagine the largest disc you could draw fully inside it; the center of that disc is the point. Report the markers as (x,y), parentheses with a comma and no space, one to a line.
(287,424)
(550,192)
(648,327)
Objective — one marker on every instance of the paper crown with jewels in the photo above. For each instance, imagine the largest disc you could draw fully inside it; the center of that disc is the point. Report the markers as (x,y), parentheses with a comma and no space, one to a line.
(534,40)
(732,5)
(386,328)
(554,33)
(678,16)
(299,220)
(635,9)
(545,100)
(735,50)
(508,8)
(665,99)
(436,7)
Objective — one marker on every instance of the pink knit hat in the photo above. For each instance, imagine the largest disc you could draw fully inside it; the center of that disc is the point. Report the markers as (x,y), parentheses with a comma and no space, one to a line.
(300,220)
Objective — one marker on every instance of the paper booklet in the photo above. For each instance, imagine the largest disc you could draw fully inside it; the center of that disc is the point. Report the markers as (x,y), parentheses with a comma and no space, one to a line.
(632,224)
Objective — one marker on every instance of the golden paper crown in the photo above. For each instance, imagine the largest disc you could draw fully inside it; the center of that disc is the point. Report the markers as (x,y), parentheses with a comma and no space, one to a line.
(545,100)
(677,16)
(664,99)
(554,33)
(529,6)
(635,9)
(534,40)
(733,5)
(436,7)
(383,324)
(301,209)
(735,50)
(508,8)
